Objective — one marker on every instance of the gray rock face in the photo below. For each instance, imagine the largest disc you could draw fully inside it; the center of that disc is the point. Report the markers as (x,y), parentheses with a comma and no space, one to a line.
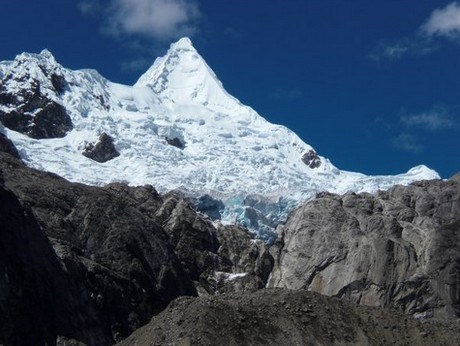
(400,248)
(93,264)
(311,159)
(113,264)
(175,142)
(212,254)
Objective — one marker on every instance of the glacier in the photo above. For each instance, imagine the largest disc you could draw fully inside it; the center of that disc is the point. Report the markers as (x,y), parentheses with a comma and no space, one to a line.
(178,129)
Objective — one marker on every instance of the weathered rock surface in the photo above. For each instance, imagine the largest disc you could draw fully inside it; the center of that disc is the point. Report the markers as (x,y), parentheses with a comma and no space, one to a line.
(118,256)
(115,266)
(284,317)
(212,254)
(399,248)
(103,150)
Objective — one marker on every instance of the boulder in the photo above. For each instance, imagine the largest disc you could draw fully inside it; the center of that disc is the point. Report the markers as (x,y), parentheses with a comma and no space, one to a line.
(103,150)
(311,159)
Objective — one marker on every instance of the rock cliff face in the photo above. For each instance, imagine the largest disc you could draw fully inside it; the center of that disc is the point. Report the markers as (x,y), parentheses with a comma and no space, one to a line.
(397,248)
(113,264)
(93,264)
(28,281)
(217,258)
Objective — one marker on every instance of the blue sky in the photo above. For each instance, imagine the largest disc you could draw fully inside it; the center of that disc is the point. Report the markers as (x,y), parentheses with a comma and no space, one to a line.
(372,85)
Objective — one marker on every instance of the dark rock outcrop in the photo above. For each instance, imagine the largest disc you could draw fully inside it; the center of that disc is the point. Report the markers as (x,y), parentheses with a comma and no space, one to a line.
(399,248)
(175,142)
(311,159)
(120,253)
(29,278)
(6,146)
(103,150)
(284,317)
(115,266)
(35,115)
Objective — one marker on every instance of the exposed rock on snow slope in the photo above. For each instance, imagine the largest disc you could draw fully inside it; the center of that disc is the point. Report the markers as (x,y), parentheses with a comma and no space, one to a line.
(176,128)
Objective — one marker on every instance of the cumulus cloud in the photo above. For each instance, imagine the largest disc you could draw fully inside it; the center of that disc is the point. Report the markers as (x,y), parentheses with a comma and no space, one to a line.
(407,142)
(162,20)
(444,22)
(434,120)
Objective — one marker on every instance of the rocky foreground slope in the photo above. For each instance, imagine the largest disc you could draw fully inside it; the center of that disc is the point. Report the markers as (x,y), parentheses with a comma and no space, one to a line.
(90,265)
(93,264)
(285,317)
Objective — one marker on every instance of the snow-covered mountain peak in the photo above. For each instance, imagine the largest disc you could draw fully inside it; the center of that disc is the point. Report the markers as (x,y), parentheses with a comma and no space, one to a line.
(183,44)
(176,128)
(45,57)
(182,77)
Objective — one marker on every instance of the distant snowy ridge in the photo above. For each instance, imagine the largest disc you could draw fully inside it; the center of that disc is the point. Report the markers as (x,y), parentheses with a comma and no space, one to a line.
(177,128)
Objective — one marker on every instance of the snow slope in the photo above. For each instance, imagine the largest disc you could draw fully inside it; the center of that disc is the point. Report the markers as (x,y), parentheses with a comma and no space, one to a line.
(229,151)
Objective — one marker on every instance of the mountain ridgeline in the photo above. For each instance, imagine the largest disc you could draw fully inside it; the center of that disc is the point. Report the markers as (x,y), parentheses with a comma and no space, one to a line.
(169,213)
(176,128)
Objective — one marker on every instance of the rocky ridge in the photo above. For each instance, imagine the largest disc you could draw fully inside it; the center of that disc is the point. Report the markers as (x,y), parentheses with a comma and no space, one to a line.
(398,248)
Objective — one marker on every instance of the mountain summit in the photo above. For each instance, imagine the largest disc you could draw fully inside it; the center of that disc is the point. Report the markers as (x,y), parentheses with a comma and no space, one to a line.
(183,77)
(176,128)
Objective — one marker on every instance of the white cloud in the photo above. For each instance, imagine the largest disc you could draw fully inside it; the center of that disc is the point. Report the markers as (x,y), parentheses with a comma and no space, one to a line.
(444,22)
(407,142)
(433,120)
(159,19)
(407,46)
